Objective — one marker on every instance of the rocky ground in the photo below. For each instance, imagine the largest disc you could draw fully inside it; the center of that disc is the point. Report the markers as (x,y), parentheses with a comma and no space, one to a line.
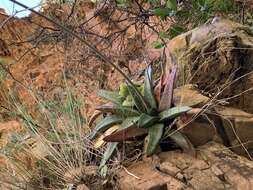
(215,77)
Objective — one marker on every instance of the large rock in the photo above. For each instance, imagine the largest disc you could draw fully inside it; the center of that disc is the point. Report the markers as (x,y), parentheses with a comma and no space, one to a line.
(238,127)
(218,58)
(189,95)
(227,125)
(215,167)
(200,129)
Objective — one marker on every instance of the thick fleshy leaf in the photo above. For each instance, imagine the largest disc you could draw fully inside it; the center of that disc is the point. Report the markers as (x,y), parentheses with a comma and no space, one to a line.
(139,101)
(95,115)
(182,141)
(128,102)
(167,95)
(146,120)
(131,133)
(123,90)
(105,123)
(158,90)
(111,147)
(118,110)
(148,88)
(173,112)
(128,122)
(99,142)
(111,96)
(154,136)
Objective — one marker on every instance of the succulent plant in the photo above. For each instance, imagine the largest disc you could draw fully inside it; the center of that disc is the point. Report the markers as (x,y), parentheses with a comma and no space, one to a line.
(145,115)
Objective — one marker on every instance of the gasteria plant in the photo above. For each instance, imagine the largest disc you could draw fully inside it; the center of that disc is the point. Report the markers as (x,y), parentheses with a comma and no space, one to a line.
(138,118)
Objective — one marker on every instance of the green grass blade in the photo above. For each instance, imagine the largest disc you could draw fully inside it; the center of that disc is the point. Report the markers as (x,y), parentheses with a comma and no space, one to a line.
(148,88)
(105,123)
(173,112)
(111,96)
(154,136)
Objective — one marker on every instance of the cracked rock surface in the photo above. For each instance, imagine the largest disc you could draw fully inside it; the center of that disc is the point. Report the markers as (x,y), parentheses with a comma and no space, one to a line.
(214,167)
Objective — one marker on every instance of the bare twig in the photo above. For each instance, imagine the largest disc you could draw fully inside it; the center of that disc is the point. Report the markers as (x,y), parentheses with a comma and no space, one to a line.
(93,48)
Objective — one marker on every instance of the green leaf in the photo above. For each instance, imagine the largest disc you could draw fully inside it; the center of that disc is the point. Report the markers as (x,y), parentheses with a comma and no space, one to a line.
(146,120)
(105,123)
(103,171)
(173,112)
(157,45)
(111,147)
(123,133)
(182,141)
(111,96)
(139,102)
(175,30)
(128,103)
(121,1)
(123,90)
(118,110)
(148,88)
(128,122)
(184,14)
(164,35)
(154,136)
(172,4)
(126,112)
(162,12)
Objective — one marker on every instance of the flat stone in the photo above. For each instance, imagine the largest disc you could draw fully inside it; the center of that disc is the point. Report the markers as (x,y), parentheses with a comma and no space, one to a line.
(169,168)
(82,187)
(237,124)
(199,131)
(147,178)
(215,167)
(188,95)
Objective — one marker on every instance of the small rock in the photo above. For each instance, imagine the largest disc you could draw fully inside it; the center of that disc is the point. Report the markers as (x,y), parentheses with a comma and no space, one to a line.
(239,122)
(82,187)
(169,168)
(147,178)
(199,131)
